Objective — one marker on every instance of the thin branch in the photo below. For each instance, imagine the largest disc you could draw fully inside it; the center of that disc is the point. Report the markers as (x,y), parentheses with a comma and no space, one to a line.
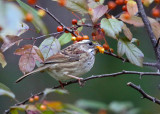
(90,78)
(52,34)
(50,14)
(126,60)
(143,93)
(148,28)
(85,25)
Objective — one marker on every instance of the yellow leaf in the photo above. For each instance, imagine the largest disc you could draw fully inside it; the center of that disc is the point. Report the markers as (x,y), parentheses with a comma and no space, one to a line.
(2,60)
(56,105)
(132,7)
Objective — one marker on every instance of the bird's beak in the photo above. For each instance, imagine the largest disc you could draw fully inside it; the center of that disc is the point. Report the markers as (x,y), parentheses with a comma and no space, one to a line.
(96,46)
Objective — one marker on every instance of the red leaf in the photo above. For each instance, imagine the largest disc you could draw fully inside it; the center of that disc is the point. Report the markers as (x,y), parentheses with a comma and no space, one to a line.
(99,12)
(136,21)
(24,50)
(31,50)
(26,63)
(11,40)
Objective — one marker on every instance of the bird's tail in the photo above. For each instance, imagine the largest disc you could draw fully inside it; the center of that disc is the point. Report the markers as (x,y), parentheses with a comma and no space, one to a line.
(34,71)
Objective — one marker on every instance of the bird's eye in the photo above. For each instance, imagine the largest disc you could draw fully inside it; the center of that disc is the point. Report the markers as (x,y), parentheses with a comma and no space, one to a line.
(90,43)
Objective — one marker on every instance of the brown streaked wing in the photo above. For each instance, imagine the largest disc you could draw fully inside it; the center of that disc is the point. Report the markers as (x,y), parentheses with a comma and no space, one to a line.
(68,54)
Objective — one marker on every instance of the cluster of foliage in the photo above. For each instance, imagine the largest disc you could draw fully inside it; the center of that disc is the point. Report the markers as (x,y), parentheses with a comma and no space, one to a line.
(103,24)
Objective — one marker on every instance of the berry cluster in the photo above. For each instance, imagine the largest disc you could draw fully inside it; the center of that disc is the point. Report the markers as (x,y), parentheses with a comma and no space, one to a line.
(156,11)
(79,38)
(112,5)
(36,98)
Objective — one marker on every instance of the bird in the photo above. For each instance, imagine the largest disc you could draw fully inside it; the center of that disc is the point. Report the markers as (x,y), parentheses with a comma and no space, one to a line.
(70,62)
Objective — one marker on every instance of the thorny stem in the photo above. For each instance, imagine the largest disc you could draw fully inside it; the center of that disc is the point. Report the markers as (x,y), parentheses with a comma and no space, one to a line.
(90,78)
(142,92)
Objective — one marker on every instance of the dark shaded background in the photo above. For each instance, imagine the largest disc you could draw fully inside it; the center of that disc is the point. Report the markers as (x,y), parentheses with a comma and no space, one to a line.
(104,90)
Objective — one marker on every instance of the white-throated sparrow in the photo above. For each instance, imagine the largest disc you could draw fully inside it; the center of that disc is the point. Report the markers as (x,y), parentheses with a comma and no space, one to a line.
(71,62)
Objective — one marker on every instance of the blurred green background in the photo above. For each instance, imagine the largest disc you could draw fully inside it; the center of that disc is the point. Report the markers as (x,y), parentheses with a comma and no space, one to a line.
(105,90)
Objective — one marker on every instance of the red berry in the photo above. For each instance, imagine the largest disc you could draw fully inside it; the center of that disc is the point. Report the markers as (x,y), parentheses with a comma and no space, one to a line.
(29,17)
(111,50)
(106,47)
(62,2)
(43,107)
(93,34)
(59,29)
(97,0)
(157,1)
(31,100)
(36,98)
(102,30)
(119,2)
(79,38)
(127,15)
(74,22)
(85,37)
(125,1)
(124,8)
(111,5)
(31,2)
(155,12)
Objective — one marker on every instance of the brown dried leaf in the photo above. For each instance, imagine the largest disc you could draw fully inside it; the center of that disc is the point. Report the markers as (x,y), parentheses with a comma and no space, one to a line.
(99,12)
(155,27)
(26,63)
(11,40)
(56,105)
(38,55)
(136,21)
(127,32)
(31,50)
(147,2)
(2,60)
(132,7)
(26,49)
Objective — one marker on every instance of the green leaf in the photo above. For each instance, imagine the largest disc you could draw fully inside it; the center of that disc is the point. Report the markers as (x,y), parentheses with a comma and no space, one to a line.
(37,22)
(119,107)
(14,111)
(49,47)
(135,40)
(50,90)
(134,55)
(112,27)
(82,21)
(65,38)
(4,90)
(134,111)
(74,108)
(11,19)
(90,104)
(78,6)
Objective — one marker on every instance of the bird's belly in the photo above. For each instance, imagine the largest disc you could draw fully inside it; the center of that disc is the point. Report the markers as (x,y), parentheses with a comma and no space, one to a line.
(60,71)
